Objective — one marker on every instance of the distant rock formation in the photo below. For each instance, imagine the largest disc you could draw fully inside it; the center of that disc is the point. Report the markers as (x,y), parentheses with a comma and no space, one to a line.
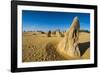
(68,47)
(57,33)
(49,33)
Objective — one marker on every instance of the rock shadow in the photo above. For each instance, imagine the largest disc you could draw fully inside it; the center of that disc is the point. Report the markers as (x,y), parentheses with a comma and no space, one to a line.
(83,47)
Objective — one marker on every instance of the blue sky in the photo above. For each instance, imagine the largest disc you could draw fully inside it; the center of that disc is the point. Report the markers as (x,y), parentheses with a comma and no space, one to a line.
(45,21)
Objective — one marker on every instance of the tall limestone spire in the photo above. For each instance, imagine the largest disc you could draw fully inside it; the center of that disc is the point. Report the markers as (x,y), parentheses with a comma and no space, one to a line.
(68,47)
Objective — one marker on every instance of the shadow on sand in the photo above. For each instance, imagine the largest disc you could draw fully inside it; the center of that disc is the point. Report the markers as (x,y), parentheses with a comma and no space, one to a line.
(83,47)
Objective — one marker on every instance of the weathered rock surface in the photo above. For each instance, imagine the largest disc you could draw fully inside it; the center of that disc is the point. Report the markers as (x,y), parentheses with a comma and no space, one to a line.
(68,47)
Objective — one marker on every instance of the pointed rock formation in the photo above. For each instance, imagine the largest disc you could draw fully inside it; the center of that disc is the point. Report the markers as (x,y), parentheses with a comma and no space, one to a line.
(68,47)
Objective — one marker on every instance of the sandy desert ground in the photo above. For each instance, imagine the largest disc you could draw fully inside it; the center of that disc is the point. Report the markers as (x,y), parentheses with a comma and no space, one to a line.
(38,46)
